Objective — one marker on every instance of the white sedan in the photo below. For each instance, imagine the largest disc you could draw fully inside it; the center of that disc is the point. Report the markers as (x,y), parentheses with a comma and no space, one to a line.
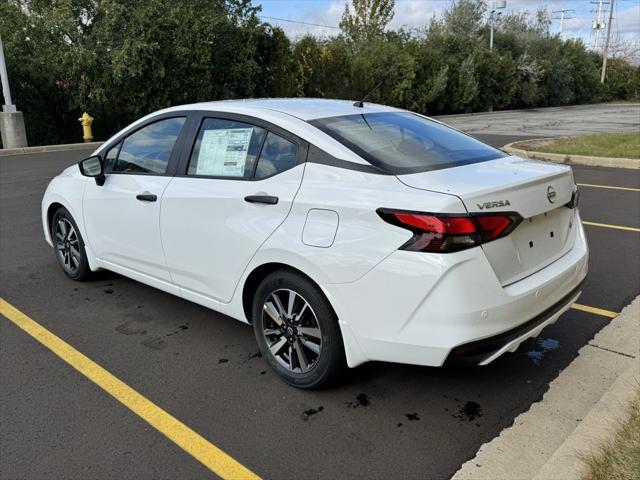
(343,232)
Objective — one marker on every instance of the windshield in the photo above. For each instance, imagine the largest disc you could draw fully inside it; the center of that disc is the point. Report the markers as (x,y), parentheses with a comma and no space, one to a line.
(403,142)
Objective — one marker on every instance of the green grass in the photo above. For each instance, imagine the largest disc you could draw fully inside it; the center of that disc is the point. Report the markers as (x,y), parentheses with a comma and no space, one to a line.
(620,145)
(619,459)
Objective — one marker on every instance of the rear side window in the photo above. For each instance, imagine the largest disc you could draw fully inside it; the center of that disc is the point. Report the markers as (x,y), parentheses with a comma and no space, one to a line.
(278,155)
(403,142)
(226,148)
(148,150)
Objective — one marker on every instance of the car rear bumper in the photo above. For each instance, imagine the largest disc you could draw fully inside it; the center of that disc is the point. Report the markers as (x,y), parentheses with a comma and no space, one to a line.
(425,309)
(484,351)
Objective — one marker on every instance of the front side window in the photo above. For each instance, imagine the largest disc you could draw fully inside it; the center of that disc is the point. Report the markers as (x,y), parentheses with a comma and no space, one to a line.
(110,158)
(226,148)
(148,150)
(403,142)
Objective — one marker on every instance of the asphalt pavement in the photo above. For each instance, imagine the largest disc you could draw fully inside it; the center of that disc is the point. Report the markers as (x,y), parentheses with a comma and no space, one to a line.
(381,421)
(551,122)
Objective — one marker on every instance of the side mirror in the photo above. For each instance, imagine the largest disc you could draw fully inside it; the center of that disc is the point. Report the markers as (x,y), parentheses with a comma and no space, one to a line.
(92,167)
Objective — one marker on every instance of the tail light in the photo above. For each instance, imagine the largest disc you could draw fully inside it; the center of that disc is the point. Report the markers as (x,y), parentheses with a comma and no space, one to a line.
(438,232)
(575,198)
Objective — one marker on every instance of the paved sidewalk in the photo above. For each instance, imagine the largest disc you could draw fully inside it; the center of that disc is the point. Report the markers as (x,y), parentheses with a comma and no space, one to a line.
(578,411)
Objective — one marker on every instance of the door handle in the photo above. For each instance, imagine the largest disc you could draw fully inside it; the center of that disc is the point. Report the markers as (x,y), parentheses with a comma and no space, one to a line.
(146,197)
(267,199)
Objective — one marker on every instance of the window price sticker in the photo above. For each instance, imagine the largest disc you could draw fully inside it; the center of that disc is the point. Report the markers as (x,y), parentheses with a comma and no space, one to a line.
(223,152)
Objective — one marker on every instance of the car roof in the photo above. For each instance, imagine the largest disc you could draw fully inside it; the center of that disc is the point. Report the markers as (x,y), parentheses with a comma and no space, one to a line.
(302,108)
(291,114)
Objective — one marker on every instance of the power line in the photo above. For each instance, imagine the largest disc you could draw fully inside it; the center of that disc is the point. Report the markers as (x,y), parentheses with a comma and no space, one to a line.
(298,21)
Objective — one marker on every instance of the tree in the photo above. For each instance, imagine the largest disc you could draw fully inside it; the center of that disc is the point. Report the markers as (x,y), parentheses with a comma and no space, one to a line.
(121,59)
(464,17)
(466,87)
(369,18)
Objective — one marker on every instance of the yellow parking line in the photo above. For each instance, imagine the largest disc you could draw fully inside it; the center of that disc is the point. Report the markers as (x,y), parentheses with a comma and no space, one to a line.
(597,311)
(628,189)
(176,431)
(617,227)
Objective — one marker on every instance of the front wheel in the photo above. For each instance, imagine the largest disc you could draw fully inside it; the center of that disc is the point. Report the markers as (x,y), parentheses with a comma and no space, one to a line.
(297,330)
(69,246)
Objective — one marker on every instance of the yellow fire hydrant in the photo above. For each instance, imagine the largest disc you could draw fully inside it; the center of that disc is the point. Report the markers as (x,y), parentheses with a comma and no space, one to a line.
(86,120)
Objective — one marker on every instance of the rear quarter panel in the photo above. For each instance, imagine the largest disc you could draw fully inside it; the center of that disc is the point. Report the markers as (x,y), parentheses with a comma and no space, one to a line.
(362,239)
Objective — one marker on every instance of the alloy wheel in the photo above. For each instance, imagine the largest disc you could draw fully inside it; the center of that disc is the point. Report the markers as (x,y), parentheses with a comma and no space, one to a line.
(291,330)
(67,245)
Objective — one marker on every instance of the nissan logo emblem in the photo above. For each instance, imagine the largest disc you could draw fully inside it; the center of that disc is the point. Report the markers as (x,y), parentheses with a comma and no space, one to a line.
(551,194)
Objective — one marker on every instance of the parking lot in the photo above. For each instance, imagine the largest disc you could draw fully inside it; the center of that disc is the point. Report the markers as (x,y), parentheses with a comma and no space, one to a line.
(203,369)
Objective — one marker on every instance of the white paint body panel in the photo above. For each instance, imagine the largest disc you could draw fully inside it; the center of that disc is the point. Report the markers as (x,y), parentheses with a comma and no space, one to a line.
(320,228)
(522,185)
(210,233)
(123,231)
(201,240)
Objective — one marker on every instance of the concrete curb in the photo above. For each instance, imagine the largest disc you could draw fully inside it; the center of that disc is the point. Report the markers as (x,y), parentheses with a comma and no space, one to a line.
(580,410)
(600,425)
(632,163)
(49,148)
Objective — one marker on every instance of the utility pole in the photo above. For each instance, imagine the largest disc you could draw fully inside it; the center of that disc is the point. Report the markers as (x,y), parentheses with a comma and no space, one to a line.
(598,24)
(606,45)
(11,121)
(562,13)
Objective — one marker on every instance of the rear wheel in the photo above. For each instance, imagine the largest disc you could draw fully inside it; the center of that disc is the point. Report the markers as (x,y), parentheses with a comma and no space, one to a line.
(69,246)
(297,330)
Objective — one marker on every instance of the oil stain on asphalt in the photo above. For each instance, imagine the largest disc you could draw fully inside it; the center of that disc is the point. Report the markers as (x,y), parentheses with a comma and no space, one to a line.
(469,411)
(158,343)
(130,328)
(362,400)
(310,412)
(135,325)
(252,356)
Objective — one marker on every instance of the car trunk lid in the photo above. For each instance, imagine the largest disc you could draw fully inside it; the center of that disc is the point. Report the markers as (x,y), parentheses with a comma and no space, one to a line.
(537,191)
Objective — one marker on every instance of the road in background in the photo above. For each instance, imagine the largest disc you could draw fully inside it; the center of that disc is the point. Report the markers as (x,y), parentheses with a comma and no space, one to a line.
(383,420)
(550,122)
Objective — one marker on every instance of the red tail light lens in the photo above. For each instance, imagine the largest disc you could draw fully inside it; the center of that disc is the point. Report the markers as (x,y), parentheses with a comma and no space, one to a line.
(493,226)
(450,233)
(431,223)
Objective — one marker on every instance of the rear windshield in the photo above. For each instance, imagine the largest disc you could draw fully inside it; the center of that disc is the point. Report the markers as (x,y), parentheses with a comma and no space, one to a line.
(403,142)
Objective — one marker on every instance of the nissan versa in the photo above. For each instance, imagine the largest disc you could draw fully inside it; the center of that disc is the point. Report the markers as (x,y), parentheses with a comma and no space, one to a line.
(342,232)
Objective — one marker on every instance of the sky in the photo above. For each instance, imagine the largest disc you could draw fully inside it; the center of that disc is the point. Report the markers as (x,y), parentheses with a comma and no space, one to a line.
(417,13)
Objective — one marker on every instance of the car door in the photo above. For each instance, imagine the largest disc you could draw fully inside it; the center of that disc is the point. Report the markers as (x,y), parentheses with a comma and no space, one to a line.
(122,216)
(240,178)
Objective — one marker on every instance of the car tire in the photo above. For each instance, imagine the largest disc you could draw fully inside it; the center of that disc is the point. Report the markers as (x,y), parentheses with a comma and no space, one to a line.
(305,345)
(69,246)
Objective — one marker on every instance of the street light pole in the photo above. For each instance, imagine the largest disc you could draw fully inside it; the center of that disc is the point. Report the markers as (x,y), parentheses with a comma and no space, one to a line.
(495,5)
(491,32)
(8,106)
(12,128)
